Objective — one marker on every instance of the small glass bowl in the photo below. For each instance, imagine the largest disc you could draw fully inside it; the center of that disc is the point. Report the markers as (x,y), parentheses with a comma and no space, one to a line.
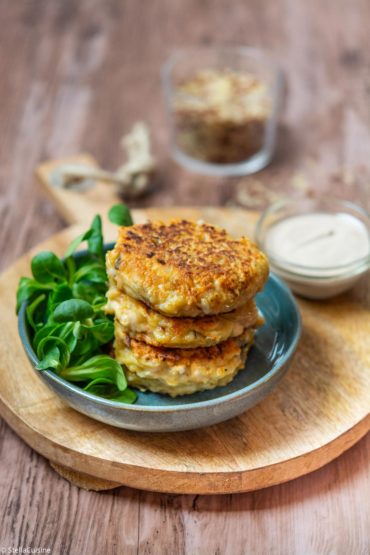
(314,282)
(222,105)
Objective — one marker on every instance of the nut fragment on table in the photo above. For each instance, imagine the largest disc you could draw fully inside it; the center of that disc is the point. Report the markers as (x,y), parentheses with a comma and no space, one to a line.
(255,194)
(221,115)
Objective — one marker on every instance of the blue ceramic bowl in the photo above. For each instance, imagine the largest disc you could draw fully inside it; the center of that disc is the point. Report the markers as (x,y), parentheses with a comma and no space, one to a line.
(267,362)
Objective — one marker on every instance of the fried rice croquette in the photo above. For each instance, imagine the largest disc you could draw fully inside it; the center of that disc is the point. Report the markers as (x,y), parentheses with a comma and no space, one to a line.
(144,324)
(186,269)
(181,371)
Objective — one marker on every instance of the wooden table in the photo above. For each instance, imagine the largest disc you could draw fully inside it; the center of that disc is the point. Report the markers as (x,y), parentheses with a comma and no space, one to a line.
(74,77)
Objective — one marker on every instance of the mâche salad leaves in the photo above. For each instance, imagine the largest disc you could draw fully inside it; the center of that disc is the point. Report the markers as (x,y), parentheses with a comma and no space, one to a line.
(120,214)
(65,300)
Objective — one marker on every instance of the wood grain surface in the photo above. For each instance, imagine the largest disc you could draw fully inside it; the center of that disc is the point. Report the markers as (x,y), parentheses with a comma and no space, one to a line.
(75,76)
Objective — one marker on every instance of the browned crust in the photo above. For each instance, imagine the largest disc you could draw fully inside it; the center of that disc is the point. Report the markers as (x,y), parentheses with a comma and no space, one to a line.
(153,260)
(143,351)
(144,324)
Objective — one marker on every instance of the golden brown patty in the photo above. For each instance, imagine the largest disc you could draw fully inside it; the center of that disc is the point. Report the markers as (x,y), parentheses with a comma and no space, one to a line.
(186,269)
(182,371)
(138,321)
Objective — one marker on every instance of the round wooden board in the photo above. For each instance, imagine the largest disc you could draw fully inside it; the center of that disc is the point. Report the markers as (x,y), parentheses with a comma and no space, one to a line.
(318,411)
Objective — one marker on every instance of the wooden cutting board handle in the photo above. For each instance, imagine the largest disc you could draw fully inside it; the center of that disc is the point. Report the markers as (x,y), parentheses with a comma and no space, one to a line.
(76,206)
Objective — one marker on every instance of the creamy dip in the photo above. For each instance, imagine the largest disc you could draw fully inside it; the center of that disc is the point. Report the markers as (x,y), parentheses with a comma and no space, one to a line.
(318,241)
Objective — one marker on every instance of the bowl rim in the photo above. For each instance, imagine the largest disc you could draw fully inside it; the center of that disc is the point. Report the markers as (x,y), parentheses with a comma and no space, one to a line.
(179,54)
(291,269)
(74,389)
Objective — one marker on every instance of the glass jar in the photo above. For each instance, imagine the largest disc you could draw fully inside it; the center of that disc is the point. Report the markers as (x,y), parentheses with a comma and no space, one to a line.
(222,105)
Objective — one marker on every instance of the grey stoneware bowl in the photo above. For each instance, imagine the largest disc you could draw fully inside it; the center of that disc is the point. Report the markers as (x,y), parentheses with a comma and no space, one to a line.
(268,360)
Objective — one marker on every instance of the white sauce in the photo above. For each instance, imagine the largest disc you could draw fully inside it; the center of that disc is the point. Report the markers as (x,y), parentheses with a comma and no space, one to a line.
(321,242)
(318,240)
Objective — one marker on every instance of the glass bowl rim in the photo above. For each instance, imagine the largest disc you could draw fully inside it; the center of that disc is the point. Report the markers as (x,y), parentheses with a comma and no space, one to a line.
(340,270)
(247,51)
